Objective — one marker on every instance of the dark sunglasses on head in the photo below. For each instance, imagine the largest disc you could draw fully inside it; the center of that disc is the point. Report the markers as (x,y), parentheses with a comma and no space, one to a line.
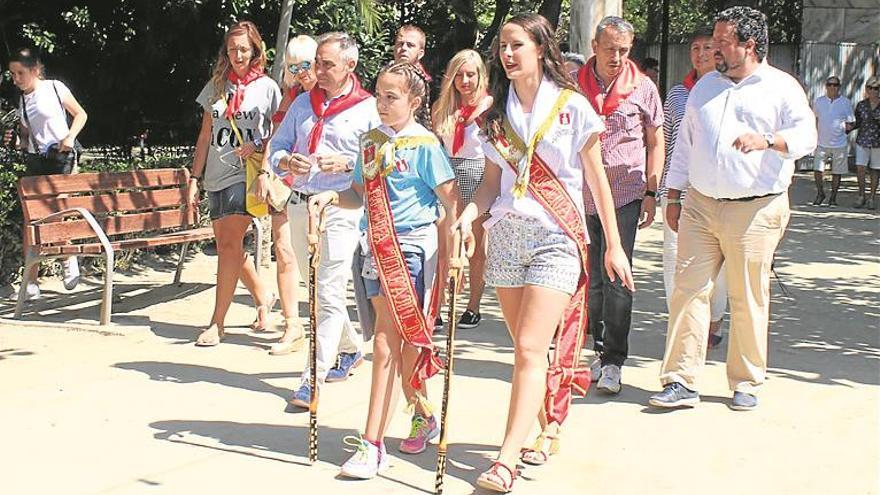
(874,87)
(832,84)
(300,67)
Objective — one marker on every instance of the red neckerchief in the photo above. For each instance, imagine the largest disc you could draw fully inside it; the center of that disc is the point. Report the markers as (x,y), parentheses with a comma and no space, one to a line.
(464,117)
(624,84)
(317,97)
(234,103)
(690,79)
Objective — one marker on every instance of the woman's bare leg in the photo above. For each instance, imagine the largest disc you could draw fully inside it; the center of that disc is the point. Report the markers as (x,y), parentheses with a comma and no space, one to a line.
(538,311)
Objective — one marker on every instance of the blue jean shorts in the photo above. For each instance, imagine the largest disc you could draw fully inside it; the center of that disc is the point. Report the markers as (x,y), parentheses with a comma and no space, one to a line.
(415,263)
(522,251)
(228,201)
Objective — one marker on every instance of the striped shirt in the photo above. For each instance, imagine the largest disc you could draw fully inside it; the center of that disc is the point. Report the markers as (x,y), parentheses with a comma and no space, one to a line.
(673,109)
(624,153)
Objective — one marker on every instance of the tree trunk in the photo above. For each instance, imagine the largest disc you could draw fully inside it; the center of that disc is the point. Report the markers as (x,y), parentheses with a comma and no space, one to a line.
(281,40)
(502,8)
(585,15)
(551,10)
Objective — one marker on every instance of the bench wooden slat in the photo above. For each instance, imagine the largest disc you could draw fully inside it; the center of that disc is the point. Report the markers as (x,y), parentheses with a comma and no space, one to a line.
(52,185)
(105,203)
(192,235)
(56,232)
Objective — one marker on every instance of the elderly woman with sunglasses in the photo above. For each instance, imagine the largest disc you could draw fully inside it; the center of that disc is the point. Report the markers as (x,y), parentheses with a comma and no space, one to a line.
(868,141)
(299,77)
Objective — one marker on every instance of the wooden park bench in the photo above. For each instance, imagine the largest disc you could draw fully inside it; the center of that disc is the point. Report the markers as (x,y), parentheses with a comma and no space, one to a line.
(98,214)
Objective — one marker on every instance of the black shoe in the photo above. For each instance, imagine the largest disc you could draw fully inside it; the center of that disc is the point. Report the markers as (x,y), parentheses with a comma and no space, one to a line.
(469,319)
(819,198)
(743,401)
(675,395)
(438,324)
(715,339)
(832,201)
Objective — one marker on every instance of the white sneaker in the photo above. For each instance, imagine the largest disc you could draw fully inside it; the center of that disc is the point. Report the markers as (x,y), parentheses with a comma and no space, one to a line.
(71,272)
(367,461)
(610,380)
(32,293)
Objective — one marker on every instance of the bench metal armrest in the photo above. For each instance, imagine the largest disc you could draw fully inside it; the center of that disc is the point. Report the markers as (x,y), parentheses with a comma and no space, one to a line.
(88,217)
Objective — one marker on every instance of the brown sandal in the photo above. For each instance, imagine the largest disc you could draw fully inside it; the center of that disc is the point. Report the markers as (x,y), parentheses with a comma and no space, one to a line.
(491,479)
(539,453)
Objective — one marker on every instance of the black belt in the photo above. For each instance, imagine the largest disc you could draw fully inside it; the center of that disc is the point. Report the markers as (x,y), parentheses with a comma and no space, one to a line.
(297,197)
(749,198)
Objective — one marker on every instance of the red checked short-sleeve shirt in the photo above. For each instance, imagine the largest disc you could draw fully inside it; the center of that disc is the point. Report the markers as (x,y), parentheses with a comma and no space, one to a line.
(624,153)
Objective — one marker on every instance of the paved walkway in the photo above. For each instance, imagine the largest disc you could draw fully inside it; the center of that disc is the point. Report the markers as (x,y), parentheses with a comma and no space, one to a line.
(136,408)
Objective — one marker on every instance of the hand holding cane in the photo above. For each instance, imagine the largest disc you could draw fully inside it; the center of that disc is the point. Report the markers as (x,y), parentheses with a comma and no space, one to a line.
(456,265)
(316,227)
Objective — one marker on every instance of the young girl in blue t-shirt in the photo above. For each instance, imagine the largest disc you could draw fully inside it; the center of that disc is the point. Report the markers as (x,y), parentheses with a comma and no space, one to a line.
(401,174)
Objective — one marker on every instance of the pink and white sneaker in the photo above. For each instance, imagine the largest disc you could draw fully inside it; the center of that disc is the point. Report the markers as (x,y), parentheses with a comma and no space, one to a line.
(423,430)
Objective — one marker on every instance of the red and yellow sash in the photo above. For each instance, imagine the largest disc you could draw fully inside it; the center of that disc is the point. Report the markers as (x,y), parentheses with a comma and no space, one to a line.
(565,374)
(377,153)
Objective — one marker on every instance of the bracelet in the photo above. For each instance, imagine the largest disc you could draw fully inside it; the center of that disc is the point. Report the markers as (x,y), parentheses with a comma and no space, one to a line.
(671,201)
(263,172)
(651,193)
(196,177)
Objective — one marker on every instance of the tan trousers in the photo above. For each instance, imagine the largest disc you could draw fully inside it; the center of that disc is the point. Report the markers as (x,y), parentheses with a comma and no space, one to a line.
(744,234)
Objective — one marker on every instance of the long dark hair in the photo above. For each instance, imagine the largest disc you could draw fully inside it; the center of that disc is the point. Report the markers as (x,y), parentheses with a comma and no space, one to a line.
(541,32)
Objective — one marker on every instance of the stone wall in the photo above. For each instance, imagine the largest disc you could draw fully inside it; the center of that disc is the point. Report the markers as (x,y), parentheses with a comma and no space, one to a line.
(847,21)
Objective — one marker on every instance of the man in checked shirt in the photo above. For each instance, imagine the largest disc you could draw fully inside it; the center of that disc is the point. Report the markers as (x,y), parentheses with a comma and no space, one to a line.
(633,154)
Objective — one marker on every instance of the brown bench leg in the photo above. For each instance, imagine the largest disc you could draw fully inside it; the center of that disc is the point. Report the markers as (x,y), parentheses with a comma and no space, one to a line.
(107,304)
(179,271)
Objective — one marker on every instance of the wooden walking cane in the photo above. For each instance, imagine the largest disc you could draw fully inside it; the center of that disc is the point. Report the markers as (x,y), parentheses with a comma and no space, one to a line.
(316,227)
(456,265)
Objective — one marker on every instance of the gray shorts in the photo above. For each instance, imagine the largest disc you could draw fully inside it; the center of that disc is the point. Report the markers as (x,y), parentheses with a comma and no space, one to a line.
(522,251)
(228,201)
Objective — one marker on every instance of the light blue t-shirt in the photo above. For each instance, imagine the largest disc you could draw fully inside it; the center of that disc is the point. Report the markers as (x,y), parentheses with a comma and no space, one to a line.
(411,184)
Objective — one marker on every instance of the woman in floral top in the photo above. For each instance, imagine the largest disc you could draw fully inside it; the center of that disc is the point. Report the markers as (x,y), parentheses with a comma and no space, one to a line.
(868,141)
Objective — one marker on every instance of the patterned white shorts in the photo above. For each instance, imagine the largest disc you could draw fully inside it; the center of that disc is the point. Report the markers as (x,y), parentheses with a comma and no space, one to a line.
(522,251)
(469,175)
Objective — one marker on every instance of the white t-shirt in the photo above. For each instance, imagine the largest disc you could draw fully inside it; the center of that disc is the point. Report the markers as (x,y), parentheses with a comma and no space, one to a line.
(560,148)
(45,114)
(832,116)
(472,148)
(253,120)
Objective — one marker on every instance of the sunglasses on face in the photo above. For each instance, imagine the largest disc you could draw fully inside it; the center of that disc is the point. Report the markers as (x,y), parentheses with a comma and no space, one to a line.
(874,88)
(837,85)
(300,67)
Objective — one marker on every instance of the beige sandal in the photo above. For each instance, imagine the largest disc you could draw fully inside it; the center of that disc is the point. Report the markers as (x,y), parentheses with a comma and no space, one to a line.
(283,347)
(262,324)
(210,336)
(539,453)
(492,479)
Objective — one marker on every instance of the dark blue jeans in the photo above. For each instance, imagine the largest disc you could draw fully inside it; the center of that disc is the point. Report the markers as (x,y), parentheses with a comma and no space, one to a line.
(610,304)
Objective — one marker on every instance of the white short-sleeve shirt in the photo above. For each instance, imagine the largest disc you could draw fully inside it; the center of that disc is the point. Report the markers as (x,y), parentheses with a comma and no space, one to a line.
(46,120)
(472,148)
(560,148)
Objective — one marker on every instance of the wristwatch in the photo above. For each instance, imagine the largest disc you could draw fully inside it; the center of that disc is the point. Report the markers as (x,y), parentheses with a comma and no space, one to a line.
(770,138)
(651,193)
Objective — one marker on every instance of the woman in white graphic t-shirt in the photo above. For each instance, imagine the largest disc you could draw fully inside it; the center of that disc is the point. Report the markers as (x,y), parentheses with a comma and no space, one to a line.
(48,142)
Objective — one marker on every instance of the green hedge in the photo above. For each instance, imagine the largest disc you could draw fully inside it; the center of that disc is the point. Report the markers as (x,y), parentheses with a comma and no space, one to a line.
(11,168)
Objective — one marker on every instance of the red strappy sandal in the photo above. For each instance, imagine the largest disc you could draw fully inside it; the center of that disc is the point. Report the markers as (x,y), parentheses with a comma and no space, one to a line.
(491,479)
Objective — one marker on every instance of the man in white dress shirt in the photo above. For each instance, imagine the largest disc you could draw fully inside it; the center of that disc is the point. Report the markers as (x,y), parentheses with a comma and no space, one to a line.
(318,143)
(744,126)
(833,112)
